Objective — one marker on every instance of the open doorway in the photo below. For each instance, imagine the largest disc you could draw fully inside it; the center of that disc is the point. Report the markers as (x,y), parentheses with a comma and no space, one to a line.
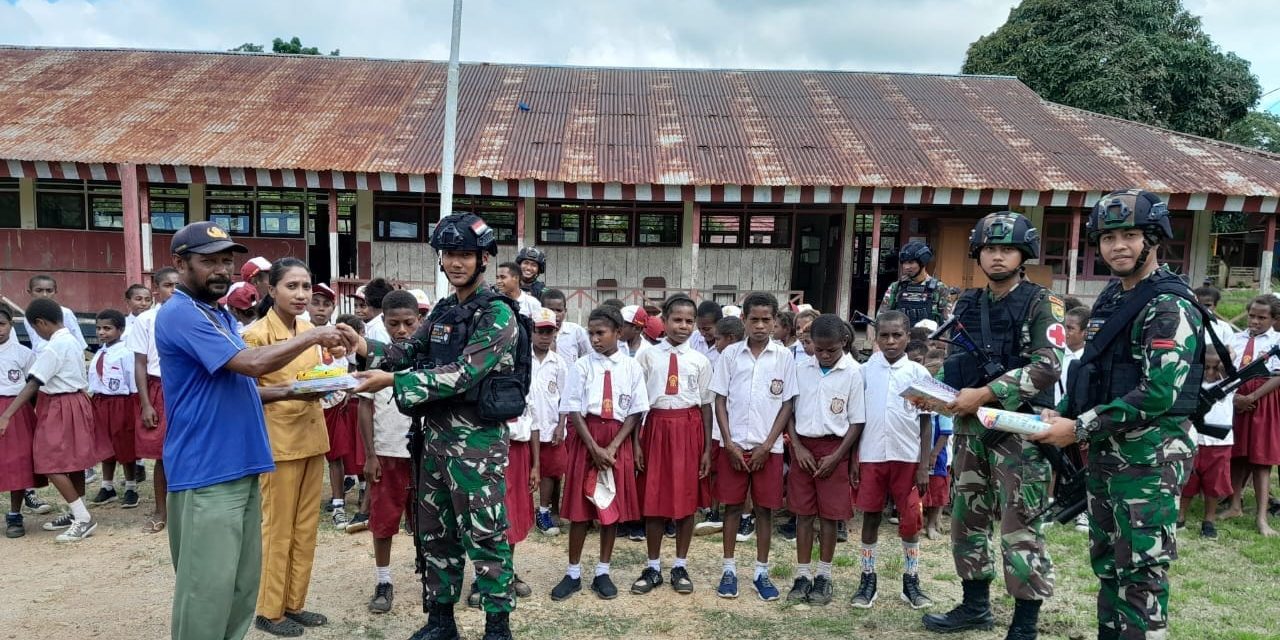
(318,236)
(815,260)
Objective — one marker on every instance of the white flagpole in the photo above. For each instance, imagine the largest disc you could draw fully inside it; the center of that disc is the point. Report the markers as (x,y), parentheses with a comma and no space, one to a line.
(450,135)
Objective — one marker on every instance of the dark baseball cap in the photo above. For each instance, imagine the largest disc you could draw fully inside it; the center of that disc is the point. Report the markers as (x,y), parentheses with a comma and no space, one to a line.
(204,238)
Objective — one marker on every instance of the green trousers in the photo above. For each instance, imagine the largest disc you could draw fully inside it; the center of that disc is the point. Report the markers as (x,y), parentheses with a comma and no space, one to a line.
(215,540)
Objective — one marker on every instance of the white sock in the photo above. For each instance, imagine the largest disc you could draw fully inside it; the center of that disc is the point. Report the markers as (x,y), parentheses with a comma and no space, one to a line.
(384,574)
(109,485)
(602,569)
(731,566)
(680,563)
(79,511)
(339,502)
(824,568)
(130,485)
(363,485)
(656,565)
(574,571)
(762,568)
(544,509)
(802,570)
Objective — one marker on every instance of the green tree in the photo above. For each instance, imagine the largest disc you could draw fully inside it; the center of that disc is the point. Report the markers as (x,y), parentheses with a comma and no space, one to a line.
(1259,129)
(1143,60)
(280,45)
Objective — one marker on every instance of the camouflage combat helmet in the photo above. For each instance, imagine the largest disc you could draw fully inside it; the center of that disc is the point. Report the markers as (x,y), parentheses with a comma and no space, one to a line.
(1008,228)
(463,232)
(1129,209)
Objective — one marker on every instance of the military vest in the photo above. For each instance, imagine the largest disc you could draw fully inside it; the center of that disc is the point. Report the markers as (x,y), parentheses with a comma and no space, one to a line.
(917,299)
(1108,368)
(996,328)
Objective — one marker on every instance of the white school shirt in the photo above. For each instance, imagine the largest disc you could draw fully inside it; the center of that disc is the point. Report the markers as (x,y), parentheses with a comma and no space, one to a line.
(625,349)
(584,387)
(892,431)
(1220,414)
(1060,389)
(1223,329)
(693,373)
(59,366)
(142,339)
(69,322)
(529,305)
(572,342)
(15,361)
(117,371)
(1261,344)
(755,389)
(546,385)
(374,329)
(829,402)
(390,427)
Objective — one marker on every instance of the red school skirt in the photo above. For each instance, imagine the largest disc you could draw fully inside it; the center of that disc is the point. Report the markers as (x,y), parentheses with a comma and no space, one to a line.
(17,471)
(519,499)
(149,443)
(1257,432)
(672,441)
(574,507)
(337,420)
(117,416)
(66,440)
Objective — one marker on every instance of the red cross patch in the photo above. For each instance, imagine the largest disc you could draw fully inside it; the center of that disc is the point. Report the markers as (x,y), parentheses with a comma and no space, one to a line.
(1057,335)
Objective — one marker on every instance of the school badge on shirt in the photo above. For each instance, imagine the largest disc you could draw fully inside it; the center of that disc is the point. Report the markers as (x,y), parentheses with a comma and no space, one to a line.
(113,384)
(624,401)
(552,388)
(15,375)
(837,406)
(775,387)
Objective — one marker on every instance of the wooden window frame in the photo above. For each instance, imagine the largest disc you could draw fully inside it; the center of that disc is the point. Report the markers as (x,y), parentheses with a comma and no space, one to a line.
(165,198)
(746,213)
(11,187)
(591,211)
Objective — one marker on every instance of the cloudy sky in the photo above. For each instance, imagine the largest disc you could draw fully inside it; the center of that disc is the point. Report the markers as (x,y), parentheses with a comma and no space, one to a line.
(898,35)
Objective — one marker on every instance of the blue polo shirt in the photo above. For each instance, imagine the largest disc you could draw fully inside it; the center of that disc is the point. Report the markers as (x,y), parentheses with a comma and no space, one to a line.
(216,430)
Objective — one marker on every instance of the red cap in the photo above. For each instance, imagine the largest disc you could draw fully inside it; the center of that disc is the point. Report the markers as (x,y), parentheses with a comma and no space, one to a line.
(635,314)
(653,328)
(600,489)
(324,290)
(240,296)
(252,267)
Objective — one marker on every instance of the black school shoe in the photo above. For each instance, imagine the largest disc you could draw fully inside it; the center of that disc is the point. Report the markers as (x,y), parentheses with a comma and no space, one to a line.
(603,586)
(800,590)
(286,628)
(130,499)
(680,581)
(1208,530)
(649,579)
(567,587)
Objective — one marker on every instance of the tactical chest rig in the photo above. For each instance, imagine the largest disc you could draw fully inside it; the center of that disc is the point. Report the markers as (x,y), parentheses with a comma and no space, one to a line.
(917,299)
(999,336)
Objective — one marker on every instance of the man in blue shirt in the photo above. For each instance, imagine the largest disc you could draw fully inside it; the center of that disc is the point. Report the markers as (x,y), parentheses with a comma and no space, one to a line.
(216,444)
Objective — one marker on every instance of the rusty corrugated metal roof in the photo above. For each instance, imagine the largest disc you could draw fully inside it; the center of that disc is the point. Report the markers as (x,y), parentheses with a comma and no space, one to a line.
(633,126)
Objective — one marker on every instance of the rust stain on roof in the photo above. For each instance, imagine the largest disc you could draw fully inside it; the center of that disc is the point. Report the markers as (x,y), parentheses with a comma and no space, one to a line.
(632,126)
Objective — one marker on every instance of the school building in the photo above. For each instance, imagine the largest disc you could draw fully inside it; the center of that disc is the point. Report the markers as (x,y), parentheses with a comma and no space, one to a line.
(637,182)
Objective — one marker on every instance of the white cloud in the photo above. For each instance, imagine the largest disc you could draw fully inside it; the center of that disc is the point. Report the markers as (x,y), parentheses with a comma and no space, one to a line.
(904,35)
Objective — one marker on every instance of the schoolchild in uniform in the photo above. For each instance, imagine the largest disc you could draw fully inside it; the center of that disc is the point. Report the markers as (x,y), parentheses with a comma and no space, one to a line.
(354,455)
(939,493)
(755,386)
(892,458)
(726,331)
(115,407)
(65,442)
(507,282)
(543,404)
(242,301)
(389,470)
(16,470)
(631,337)
(704,339)
(605,396)
(1211,472)
(829,407)
(1257,420)
(150,431)
(674,449)
(572,342)
(44,286)
(137,298)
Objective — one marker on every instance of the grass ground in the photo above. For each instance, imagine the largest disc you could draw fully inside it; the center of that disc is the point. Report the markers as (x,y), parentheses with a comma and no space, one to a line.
(1232,307)
(118,584)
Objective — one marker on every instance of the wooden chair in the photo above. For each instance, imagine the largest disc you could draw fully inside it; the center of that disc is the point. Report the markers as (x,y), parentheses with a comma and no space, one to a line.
(606,288)
(655,289)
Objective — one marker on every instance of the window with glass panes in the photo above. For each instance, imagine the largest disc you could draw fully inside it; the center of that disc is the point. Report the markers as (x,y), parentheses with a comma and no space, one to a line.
(10,206)
(77,204)
(616,224)
(231,208)
(170,206)
(318,204)
(752,226)
(498,213)
(280,211)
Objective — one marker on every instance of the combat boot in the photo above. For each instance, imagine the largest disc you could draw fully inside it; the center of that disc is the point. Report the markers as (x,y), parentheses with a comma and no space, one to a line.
(1025,615)
(497,626)
(973,612)
(440,624)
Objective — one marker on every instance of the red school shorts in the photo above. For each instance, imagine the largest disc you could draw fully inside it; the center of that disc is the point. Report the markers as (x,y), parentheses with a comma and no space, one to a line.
(939,494)
(878,481)
(117,417)
(730,485)
(829,498)
(389,498)
(553,459)
(1211,474)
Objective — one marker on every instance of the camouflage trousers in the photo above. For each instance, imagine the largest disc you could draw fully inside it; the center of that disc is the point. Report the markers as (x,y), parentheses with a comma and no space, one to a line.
(1000,486)
(461,514)
(1132,514)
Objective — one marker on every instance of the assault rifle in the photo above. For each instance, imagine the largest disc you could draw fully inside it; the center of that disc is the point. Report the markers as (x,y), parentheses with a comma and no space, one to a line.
(990,369)
(1228,385)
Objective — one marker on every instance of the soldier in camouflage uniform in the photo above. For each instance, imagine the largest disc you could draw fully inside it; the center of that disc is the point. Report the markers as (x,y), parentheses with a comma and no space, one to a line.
(1132,394)
(1000,482)
(918,294)
(460,458)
